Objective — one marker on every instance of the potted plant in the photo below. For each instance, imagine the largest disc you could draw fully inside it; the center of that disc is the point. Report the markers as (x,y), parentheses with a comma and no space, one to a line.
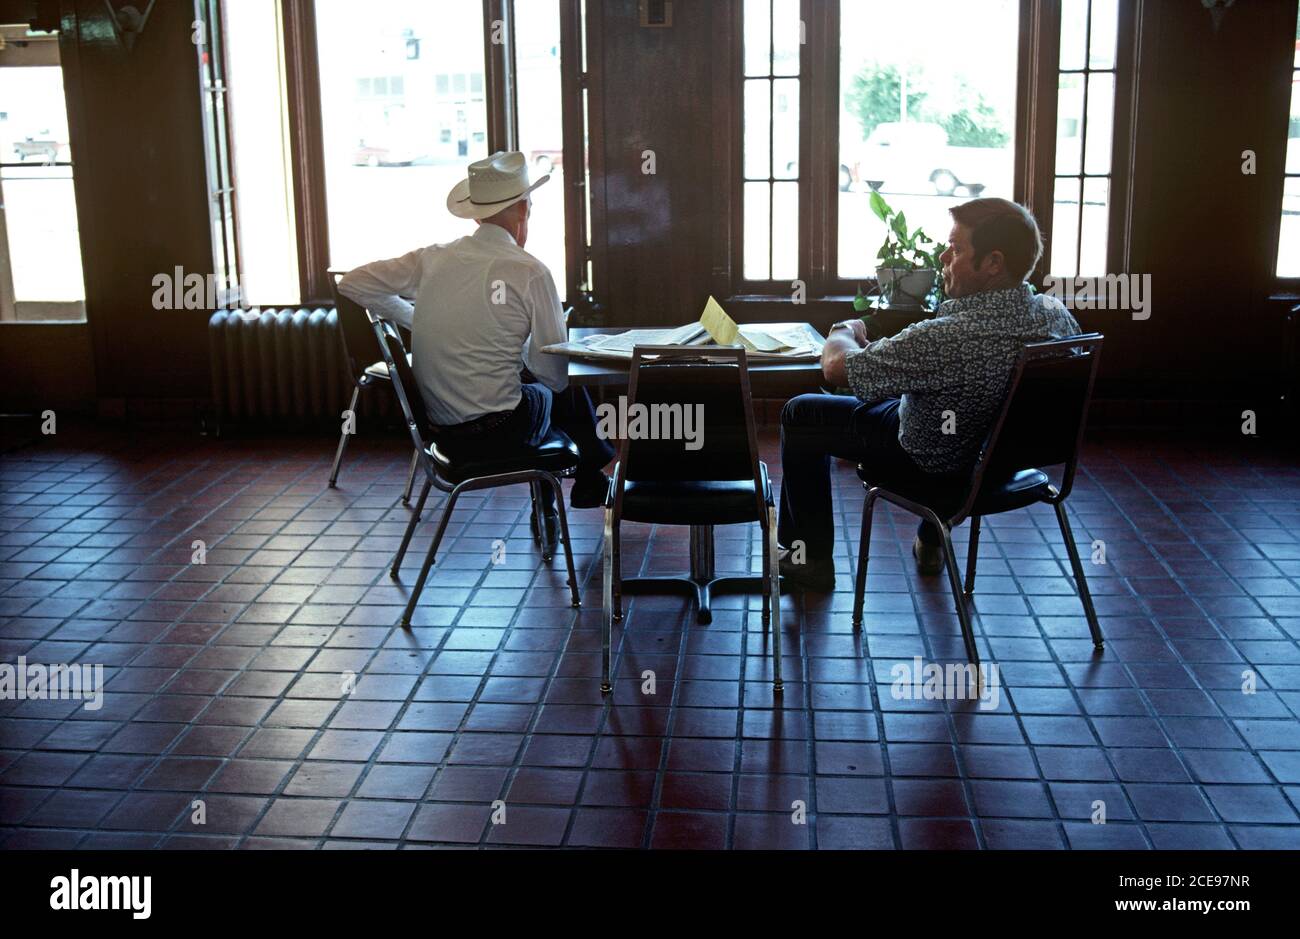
(908,262)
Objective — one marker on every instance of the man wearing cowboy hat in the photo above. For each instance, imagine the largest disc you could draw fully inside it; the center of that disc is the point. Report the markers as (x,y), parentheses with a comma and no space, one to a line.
(484,309)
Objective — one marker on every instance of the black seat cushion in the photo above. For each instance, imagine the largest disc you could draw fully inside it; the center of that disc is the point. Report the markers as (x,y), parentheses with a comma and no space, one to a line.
(1015,492)
(708,502)
(944,493)
(456,461)
(947,494)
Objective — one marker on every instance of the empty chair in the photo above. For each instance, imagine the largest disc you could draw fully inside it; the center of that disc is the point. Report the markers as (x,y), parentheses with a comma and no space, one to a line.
(1040,425)
(354,322)
(555,457)
(693,460)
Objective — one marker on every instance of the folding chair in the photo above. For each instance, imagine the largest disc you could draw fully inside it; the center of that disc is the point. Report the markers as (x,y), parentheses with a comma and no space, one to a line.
(556,456)
(354,320)
(660,481)
(1041,423)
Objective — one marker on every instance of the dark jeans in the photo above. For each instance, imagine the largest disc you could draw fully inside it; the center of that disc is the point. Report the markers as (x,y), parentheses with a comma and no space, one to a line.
(815,428)
(540,409)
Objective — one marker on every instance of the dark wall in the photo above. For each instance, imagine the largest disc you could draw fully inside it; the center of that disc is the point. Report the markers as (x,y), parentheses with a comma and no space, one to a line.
(652,91)
(1203,230)
(142,195)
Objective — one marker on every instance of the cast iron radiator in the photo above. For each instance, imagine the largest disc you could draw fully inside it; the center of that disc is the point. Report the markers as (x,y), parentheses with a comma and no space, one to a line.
(287,367)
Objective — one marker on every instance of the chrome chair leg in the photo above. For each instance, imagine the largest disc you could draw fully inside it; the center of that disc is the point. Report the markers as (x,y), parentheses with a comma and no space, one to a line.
(1080,580)
(429,559)
(343,440)
(410,529)
(954,581)
(607,603)
(773,574)
(539,520)
(618,575)
(864,555)
(767,566)
(971,553)
(564,538)
(442,522)
(410,478)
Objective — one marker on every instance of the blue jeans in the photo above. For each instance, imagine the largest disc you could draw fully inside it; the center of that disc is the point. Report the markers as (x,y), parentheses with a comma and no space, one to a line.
(540,409)
(815,428)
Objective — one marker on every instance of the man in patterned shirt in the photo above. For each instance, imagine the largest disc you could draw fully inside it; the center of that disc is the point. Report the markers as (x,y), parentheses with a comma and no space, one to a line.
(923,400)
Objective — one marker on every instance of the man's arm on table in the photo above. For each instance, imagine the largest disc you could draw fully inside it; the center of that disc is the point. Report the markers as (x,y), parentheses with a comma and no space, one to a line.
(843,340)
(381,285)
(912,361)
(542,301)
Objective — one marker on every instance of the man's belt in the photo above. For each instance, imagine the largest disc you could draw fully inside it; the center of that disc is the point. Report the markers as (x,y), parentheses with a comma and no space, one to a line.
(474,428)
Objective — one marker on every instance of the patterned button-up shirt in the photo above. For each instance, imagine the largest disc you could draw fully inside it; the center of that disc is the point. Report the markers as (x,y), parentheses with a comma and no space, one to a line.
(951,372)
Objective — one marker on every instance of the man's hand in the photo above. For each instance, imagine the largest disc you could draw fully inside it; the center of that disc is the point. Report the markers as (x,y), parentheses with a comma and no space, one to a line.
(846,337)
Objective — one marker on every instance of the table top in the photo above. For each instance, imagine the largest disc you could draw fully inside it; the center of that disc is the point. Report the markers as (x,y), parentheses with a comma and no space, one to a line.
(764,376)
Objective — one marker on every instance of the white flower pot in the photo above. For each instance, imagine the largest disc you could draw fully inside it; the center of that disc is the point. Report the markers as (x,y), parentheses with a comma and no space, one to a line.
(905,290)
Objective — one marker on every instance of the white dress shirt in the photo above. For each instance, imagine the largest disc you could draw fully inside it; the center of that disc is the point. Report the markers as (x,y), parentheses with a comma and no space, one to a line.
(483,306)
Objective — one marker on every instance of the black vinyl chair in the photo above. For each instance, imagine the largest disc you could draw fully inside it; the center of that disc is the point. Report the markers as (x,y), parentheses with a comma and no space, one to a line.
(660,481)
(355,333)
(557,456)
(1041,424)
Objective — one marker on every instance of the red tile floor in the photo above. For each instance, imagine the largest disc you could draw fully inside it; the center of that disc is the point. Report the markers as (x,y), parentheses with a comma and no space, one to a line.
(265,698)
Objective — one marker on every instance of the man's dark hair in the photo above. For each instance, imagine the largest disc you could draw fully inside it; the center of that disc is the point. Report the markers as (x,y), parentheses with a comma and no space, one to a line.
(1002,225)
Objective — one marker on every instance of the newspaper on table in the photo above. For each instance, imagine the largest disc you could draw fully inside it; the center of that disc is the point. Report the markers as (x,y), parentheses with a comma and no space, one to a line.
(781,341)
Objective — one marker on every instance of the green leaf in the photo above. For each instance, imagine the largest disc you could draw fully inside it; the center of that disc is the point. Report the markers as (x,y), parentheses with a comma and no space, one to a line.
(880,206)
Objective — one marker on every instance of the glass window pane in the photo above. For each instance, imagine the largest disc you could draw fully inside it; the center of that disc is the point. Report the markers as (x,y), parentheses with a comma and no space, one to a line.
(1288,254)
(1101,122)
(758,37)
(268,238)
(922,119)
(1064,248)
(785,231)
(758,241)
(785,128)
(1069,124)
(1074,33)
(787,37)
(385,155)
(1096,218)
(38,209)
(1105,26)
(758,148)
(541,127)
(39,213)
(1293,135)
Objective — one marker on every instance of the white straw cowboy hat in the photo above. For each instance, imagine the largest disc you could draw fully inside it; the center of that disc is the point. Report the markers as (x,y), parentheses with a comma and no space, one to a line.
(493,184)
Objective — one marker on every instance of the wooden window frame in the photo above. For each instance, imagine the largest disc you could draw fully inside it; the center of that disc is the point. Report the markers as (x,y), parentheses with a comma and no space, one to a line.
(307,148)
(768,285)
(1287,287)
(1034,146)
(219,141)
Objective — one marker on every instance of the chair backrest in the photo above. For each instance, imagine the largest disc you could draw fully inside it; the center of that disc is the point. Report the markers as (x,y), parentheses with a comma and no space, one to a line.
(1045,411)
(393,351)
(355,335)
(689,417)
